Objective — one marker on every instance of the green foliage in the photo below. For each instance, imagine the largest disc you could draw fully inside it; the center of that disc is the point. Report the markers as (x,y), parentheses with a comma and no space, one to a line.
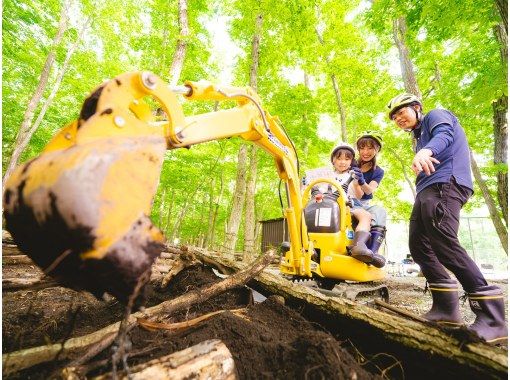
(451,43)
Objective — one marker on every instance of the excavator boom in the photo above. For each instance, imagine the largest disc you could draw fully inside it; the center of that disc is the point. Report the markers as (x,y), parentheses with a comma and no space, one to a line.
(80,209)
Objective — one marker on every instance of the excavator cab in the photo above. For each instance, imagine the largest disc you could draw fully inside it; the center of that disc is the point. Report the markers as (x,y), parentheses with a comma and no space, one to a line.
(329,227)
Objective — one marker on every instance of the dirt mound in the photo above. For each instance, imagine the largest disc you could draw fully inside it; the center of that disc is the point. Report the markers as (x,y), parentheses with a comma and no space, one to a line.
(267,340)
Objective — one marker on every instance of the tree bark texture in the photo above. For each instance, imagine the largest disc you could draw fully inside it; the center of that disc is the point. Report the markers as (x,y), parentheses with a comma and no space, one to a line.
(406,66)
(250,224)
(501,230)
(236,209)
(500,109)
(251,183)
(502,6)
(210,359)
(341,108)
(180,50)
(25,128)
(212,223)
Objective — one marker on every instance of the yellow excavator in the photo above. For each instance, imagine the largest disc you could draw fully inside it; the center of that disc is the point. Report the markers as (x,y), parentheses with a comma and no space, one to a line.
(80,209)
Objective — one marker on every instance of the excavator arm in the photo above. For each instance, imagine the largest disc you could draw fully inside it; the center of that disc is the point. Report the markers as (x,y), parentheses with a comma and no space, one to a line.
(80,209)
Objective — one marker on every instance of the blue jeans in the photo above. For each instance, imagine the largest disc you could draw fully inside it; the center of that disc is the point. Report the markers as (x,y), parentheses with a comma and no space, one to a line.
(378,213)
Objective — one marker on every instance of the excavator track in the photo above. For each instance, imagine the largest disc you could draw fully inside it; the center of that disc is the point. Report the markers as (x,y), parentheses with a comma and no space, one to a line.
(366,292)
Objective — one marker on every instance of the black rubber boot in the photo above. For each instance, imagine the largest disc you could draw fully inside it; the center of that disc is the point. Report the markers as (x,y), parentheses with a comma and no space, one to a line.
(377,234)
(360,250)
(489,306)
(445,303)
(377,237)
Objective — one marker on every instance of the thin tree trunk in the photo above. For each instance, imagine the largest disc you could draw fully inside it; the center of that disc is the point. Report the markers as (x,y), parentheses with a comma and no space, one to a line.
(249,225)
(56,85)
(169,214)
(24,131)
(211,213)
(493,211)
(235,217)
(336,88)
(404,171)
(341,108)
(399,36)
(180,50)
(212,226)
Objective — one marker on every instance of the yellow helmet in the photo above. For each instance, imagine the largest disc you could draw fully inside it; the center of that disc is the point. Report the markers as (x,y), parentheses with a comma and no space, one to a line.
(401,101)
(370,134)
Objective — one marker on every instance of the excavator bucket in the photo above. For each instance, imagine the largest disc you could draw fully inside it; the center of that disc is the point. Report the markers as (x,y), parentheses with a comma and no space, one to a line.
(80,209)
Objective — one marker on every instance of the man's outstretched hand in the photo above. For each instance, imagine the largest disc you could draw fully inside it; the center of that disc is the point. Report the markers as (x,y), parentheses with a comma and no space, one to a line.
(424,162)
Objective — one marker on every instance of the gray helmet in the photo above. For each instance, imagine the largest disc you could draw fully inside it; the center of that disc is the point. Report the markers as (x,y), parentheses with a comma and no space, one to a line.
(342,145)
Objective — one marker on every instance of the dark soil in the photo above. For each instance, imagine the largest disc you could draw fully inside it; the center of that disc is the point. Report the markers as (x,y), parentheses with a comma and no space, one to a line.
(267,340)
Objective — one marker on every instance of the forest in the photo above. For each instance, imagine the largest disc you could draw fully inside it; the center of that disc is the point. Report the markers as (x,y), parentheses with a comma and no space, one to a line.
(326,68)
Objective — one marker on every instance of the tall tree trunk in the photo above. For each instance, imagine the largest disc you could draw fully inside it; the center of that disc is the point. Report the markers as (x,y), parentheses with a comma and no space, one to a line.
(169,212)
(249,221)
(407,68)
(502,6)
(493,211)
(60,76)
(212,224)
(341,108)
(24,131)
(404,171)
(500,108)
(399,36)
(210,214)
(236,209)
(180,50)
(336,87)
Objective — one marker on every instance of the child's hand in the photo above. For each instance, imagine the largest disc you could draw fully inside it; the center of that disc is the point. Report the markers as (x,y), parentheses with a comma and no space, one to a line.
(358,174)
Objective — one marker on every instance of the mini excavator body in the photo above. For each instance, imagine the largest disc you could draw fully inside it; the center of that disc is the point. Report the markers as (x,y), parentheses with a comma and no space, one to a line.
(80,209)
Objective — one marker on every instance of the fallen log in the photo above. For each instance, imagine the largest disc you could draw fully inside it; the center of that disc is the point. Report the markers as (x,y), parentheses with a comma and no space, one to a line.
(15,284)
(210,359)
(425,346)
(95,342)
(17,260)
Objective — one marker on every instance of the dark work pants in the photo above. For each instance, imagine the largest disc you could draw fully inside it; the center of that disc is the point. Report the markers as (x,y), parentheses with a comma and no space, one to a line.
(433,240)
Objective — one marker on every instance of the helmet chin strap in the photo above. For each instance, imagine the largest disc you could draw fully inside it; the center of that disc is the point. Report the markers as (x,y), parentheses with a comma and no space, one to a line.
(419,118)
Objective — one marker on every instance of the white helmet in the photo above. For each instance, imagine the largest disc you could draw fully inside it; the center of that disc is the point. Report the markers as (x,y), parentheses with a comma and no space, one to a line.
(401,101)
(342,145)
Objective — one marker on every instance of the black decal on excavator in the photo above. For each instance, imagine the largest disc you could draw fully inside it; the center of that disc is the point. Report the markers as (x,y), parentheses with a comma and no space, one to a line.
(90,104)
(107,111)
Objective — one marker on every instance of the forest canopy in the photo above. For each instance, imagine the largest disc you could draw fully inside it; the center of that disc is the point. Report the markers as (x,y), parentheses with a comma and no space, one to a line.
(326,68)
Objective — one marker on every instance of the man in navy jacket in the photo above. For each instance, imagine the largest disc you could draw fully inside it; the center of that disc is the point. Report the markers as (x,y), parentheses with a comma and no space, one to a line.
(443,186)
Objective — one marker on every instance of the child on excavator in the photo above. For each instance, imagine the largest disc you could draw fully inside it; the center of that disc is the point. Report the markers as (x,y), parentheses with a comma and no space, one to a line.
(369,175)
(342,158)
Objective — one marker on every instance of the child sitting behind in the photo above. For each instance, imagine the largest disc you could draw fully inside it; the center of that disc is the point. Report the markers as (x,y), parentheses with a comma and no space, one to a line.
(342,158)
